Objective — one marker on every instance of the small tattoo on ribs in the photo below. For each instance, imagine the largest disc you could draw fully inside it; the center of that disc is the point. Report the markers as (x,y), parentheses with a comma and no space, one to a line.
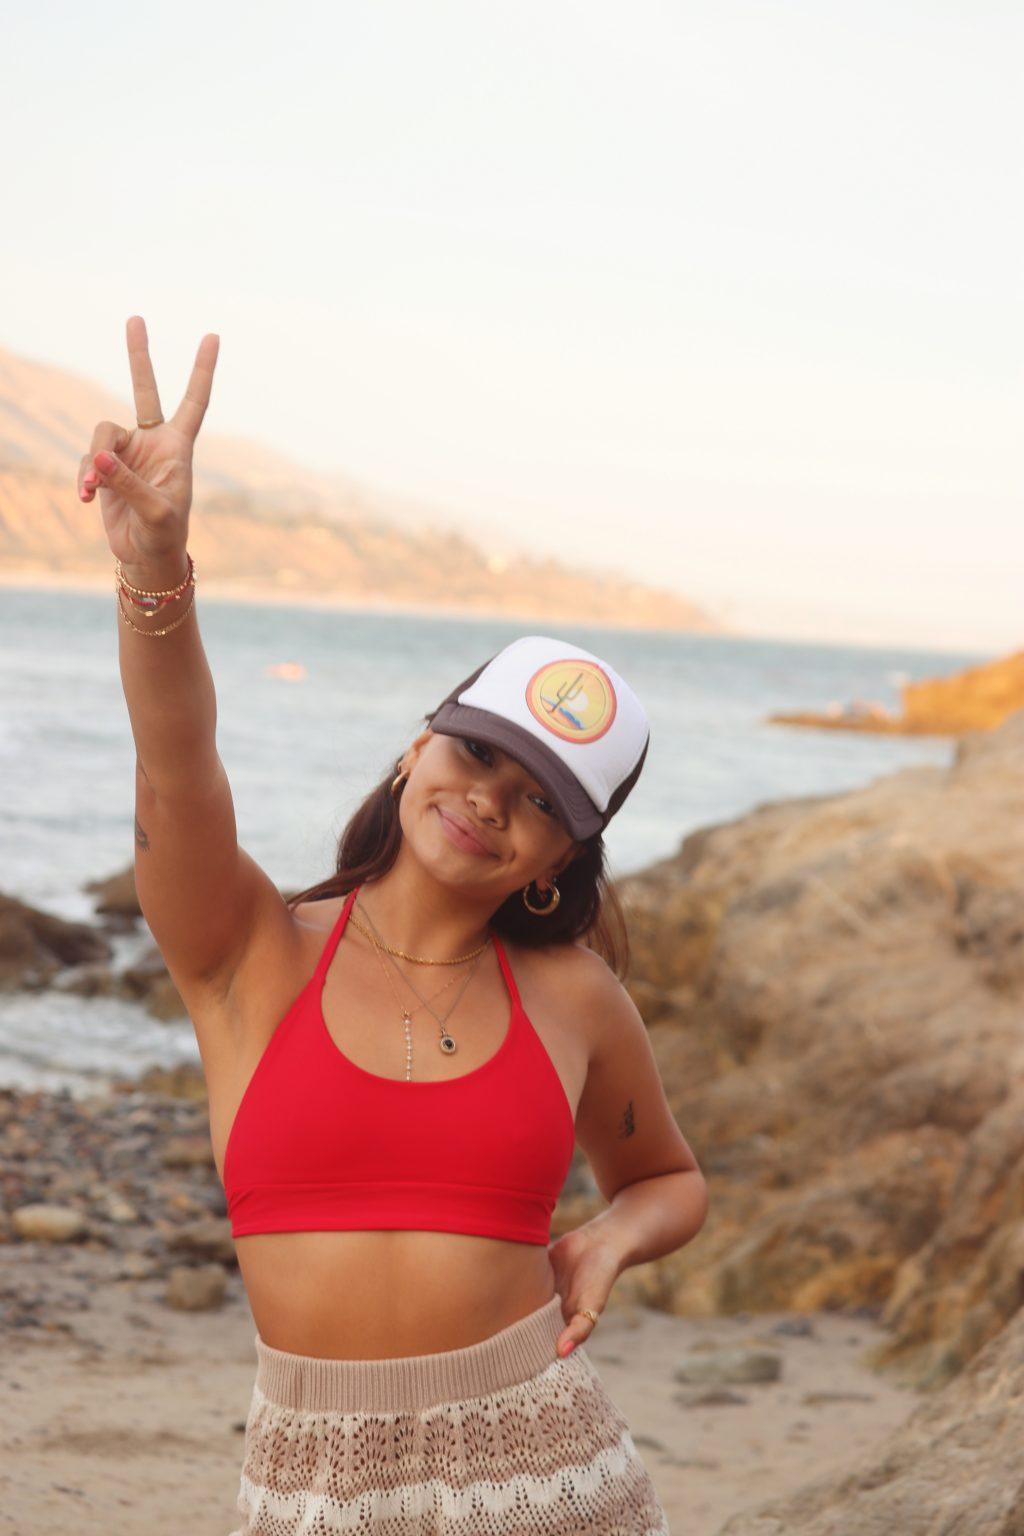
(628,1123)
(141,839)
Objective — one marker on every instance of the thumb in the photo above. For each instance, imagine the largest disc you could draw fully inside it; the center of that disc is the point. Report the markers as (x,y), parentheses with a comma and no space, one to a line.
(579,1328)
(116,475)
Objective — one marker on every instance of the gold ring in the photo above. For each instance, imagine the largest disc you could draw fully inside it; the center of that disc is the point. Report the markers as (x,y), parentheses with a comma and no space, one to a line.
(158,423)
(588,1312)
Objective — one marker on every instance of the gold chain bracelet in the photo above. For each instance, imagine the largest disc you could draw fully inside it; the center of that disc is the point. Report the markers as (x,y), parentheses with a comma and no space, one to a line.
(167,627)
(143,591)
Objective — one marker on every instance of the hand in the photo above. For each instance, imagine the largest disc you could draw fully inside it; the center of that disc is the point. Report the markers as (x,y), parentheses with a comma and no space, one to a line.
(144,475)
(586,1267)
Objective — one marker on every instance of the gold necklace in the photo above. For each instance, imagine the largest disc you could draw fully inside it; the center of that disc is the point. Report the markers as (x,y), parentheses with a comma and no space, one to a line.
(446,1041)
(419,960)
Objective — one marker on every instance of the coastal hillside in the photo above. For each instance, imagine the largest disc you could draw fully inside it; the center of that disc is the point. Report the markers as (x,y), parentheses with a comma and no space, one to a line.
(264,526)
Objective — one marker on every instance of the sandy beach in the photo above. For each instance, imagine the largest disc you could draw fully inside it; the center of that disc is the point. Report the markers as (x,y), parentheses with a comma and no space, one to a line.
(121,1415)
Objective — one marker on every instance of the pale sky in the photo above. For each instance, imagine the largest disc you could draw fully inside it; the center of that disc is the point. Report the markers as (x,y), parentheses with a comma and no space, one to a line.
(724,295)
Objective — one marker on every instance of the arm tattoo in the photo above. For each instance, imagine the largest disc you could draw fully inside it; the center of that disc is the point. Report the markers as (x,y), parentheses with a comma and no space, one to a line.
(628,1123)
(141,840)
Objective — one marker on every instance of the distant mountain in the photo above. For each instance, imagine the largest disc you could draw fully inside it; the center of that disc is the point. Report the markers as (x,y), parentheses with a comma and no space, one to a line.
(264,526)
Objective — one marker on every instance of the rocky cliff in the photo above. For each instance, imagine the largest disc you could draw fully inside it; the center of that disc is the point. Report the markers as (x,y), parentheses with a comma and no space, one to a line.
(835,989)
(975,698)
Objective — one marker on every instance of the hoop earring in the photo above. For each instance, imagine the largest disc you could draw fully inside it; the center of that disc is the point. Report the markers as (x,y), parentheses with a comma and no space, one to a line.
(556,897)
(397,782)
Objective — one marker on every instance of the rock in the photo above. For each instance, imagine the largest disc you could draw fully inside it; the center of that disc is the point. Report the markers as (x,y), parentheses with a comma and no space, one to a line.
(88,981)
(196,1290)
(715,1397)
(148,980)
(209,1237)
(36,945)
(185,1081)
(796,1327)
(953,1466)
(720,1367)
(839,1038)
(973,699)
(120,1212)
(116,894)
(49,1223)
(39,949)
(187,1152)
(136,1266)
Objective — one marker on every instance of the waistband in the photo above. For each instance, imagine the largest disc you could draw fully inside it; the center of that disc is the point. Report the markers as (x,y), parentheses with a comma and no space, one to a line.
(311,1384)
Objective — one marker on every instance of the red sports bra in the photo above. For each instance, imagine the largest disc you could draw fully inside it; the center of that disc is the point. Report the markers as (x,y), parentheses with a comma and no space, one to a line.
(320,1144)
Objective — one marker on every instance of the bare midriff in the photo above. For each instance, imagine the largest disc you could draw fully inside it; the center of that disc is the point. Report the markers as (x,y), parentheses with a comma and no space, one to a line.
(374,1295)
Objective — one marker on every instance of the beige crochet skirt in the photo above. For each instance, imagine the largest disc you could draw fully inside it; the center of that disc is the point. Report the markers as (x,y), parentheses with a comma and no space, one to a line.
(500,1438)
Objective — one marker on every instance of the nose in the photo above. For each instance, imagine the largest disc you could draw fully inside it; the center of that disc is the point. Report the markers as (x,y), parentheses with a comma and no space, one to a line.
(487,802)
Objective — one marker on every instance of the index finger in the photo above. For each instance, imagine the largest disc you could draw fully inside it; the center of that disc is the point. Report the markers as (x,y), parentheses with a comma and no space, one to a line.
(147,400)
(188,418)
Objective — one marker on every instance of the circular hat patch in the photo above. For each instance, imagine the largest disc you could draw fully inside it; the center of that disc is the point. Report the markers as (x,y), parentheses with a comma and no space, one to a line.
(573,698)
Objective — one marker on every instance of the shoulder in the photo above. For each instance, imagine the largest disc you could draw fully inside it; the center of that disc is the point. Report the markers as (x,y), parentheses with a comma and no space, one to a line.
(321,913)
(572,980)
(573,959)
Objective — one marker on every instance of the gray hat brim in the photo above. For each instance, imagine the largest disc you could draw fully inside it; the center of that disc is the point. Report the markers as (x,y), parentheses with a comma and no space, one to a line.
(577,812)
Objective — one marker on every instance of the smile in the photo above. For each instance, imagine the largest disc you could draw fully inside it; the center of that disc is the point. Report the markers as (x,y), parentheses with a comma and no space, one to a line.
(458,834)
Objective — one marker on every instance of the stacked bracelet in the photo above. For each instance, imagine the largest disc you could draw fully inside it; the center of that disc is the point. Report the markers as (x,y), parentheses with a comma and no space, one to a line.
(150,603)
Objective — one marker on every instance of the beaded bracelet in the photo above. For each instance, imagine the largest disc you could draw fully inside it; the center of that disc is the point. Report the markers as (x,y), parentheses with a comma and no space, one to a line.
(121,584)
(157,600)
(153,632)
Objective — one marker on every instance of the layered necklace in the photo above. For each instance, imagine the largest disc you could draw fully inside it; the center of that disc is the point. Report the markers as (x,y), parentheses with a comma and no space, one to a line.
(446,1041)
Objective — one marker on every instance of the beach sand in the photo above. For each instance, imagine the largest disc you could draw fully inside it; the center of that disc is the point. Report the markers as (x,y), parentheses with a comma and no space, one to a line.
(122,1416)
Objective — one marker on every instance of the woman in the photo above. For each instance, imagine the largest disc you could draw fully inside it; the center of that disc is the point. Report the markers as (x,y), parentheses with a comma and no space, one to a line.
(393,1116)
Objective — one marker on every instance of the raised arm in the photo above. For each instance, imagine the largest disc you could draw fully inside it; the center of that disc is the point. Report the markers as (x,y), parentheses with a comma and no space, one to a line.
(200,893)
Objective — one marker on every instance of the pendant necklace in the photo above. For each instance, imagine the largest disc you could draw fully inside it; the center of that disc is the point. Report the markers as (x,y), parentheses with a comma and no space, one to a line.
(446,1041)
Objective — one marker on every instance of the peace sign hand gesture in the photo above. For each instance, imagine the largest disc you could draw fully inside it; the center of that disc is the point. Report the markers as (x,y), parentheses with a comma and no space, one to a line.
(144,475)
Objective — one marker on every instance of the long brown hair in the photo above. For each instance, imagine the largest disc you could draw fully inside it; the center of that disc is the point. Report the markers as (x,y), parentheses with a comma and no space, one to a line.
(589,909)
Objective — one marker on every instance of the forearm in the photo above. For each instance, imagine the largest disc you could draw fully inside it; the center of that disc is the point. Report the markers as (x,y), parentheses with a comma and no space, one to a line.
(653,1217)
(168,686)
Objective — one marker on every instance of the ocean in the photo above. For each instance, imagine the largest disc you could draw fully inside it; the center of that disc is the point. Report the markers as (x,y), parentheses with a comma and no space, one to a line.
(302,744)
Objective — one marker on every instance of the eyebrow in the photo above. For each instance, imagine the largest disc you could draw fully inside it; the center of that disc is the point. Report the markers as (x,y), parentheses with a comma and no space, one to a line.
(524,771)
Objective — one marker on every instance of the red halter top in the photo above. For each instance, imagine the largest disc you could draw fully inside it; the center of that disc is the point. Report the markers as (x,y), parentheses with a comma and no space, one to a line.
(320,1144)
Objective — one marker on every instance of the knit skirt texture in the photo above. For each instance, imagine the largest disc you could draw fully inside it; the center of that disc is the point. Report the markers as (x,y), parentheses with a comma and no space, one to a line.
(500,1438)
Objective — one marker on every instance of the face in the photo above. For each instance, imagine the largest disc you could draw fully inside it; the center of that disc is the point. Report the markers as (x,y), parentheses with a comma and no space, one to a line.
(474,815)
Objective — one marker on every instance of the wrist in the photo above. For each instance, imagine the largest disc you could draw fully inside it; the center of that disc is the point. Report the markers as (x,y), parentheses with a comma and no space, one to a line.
(606,1232)
(163,573)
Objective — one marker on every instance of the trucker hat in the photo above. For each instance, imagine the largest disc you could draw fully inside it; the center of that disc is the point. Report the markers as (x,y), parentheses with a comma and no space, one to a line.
(565,715)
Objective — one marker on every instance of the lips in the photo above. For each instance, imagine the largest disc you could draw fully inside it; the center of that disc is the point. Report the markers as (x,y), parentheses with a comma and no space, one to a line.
(461,833)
